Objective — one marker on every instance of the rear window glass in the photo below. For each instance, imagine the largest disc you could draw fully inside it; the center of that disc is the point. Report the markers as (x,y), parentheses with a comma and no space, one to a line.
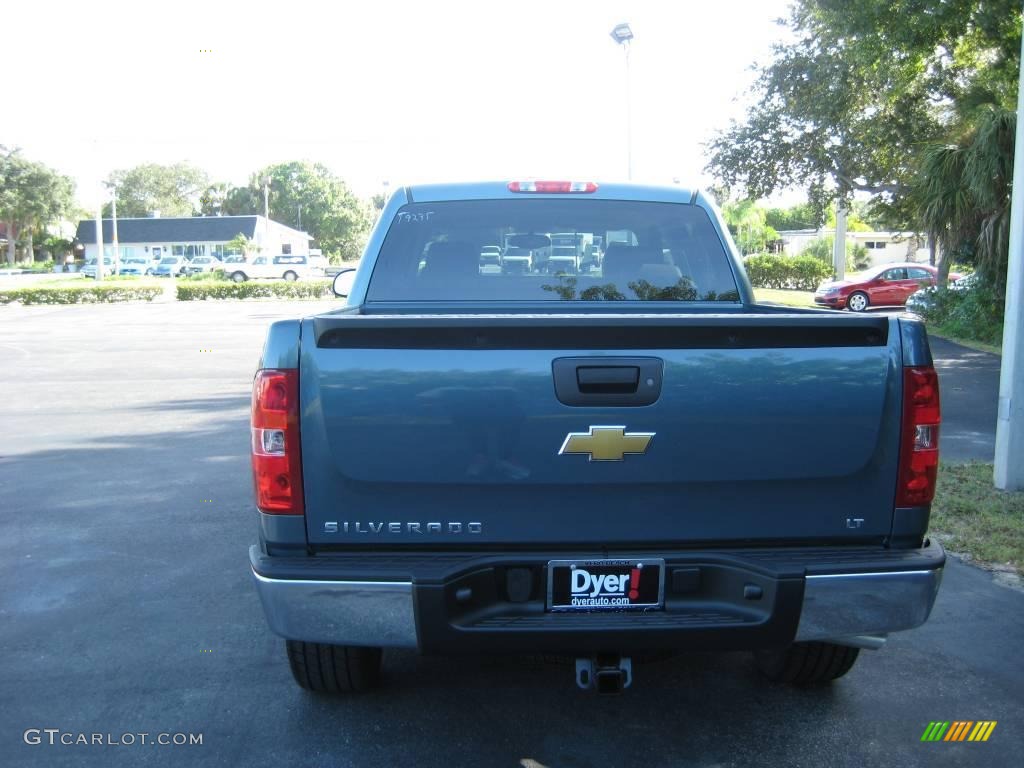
(552,250)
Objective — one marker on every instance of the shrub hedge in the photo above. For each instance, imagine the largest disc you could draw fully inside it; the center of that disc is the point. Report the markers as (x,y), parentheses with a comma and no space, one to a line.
(252,289)
(30,266)
(80,294)
(975,313)
(803,273)
(203,277)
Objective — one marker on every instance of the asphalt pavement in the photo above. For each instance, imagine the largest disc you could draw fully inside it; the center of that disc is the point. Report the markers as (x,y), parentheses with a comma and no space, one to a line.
(126,604)
(969,387)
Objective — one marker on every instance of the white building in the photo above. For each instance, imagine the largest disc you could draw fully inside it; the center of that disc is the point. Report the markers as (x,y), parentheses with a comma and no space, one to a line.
(882,247)
(190,236)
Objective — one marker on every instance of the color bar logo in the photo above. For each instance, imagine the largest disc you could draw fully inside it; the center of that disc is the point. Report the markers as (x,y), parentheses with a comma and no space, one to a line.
(959,730)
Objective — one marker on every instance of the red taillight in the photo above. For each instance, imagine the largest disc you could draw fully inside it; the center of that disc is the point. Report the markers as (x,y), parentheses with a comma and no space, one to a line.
(919,438)
(276,461)
(550,187)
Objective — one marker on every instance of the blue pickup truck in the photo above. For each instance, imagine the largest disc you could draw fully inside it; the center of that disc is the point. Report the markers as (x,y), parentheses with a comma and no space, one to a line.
(628,457)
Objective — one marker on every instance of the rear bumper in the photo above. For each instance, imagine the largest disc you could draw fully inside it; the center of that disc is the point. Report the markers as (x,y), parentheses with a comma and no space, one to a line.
(721,600)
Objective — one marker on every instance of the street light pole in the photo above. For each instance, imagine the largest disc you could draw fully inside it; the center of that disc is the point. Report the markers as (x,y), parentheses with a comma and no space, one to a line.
(99,240)
(1009,466)
(629,117)
(113,213)
(623,35)
(266,210)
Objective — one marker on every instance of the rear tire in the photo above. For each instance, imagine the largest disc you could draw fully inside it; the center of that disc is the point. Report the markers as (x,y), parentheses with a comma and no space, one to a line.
(334,668)
(290,276)
(238,277)
(806,663)
(858,302)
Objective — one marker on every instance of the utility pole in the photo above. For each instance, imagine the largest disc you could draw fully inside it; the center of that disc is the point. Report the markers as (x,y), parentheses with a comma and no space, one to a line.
(839,242)
(99,240)
(117,249)
(266,211)
(1009,467)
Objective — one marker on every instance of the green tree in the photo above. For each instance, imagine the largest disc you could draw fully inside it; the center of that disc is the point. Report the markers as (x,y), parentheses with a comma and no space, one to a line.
(801,216)
(856,255)
(212,200)
(865,85)
(747,223)
(309,197)
(242,243)
(173,190)
(963,193)
(242,201)
(32,196)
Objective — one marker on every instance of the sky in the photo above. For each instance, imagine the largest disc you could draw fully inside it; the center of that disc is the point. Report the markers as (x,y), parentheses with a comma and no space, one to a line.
(380,92)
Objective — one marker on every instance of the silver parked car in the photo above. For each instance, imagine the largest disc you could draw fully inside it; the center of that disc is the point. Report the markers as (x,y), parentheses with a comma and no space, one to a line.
(921,300)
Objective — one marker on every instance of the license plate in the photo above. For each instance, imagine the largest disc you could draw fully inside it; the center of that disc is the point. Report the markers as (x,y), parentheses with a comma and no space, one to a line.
(605,585)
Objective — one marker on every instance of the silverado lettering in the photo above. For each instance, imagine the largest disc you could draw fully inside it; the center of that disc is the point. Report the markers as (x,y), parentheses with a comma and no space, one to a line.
(604,444)
(399,527)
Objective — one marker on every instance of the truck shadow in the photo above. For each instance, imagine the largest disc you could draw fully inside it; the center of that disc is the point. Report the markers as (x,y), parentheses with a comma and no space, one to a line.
(685,709)
(129,606)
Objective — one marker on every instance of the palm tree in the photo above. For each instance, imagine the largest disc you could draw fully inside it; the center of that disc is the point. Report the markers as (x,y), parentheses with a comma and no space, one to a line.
(242,243)
(963,192)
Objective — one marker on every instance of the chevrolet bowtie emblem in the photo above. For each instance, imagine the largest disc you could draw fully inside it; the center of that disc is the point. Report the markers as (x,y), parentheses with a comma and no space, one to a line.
(606,443)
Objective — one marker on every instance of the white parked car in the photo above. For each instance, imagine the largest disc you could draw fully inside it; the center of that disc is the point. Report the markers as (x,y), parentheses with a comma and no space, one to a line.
(203,264)
(282,267)
(89,270)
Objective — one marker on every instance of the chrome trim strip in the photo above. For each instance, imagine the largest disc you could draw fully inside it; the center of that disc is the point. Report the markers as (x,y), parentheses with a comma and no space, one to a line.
(372,613)
(841,605)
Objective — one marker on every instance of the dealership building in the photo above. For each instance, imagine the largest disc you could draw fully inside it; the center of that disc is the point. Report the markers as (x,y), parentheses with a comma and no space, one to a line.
(189,236)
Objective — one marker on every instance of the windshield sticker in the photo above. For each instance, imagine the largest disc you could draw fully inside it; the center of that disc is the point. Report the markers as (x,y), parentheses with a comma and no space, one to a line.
(414,218)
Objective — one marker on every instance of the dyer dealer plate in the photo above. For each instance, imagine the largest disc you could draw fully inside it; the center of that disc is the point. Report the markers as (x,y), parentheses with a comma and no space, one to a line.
(605,585)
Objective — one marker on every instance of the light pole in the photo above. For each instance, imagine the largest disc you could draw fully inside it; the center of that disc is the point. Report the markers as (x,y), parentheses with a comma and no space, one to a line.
(113,222)
(99,240)
(266,210)
(622,35)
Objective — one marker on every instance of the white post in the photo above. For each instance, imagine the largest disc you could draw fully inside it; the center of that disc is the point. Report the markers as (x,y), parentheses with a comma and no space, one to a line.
(839,243)
(99,240)
(1009,468)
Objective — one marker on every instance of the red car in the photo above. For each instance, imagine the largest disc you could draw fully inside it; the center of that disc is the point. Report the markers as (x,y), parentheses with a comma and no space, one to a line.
(886,286)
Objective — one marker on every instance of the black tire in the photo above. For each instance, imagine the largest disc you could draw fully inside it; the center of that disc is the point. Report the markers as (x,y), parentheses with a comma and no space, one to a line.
(290,276)
(238,277)
(334,668)
(807,663)
(853,303)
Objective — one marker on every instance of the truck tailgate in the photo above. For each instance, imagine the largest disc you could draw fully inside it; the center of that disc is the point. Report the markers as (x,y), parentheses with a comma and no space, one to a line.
(447,430)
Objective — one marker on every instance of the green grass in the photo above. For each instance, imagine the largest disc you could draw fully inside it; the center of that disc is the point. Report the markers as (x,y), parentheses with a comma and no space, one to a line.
(785,296)
(970,516)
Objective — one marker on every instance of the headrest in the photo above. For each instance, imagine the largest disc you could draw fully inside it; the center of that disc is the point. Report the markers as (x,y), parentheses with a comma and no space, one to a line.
(452,258)
(623,261)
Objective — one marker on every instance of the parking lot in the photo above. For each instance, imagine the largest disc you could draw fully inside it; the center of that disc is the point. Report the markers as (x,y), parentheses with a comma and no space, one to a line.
(127,605)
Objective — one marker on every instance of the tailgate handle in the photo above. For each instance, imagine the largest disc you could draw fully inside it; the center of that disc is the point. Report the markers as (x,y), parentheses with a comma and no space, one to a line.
(608,380)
